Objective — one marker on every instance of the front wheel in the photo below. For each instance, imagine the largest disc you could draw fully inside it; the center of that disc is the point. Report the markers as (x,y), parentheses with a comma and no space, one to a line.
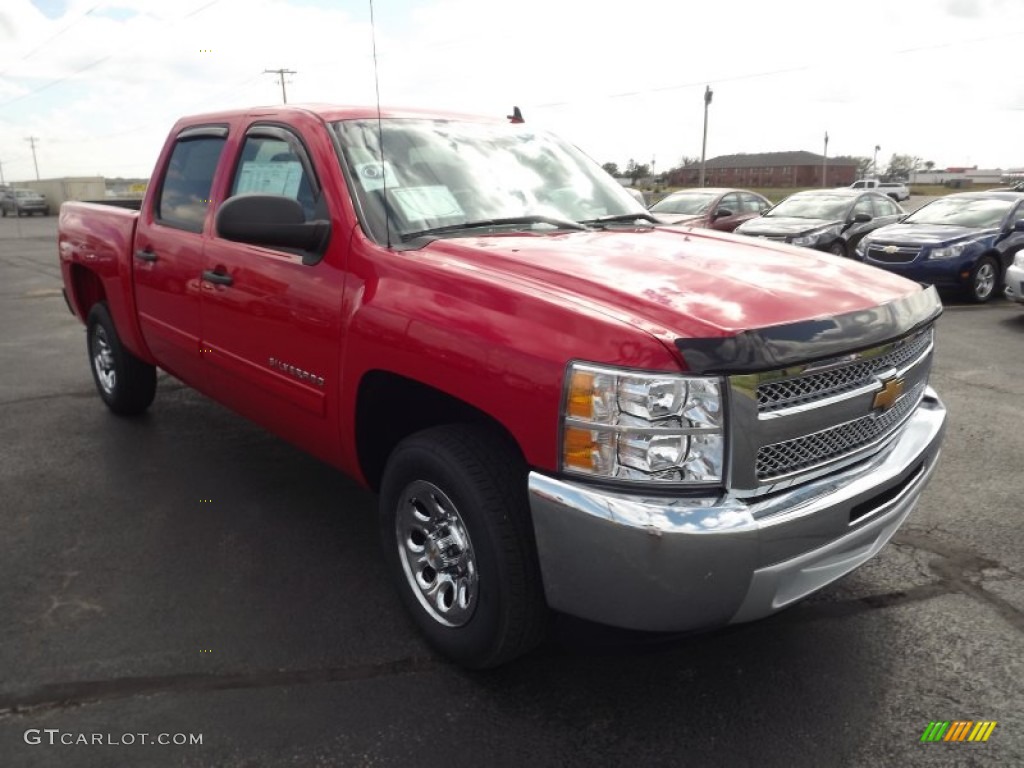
(837,248)
(984,280)
(456,532)
(126,384)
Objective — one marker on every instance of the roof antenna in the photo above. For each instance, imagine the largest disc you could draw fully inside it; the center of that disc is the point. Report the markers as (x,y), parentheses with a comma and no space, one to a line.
(380,135)
(516,116)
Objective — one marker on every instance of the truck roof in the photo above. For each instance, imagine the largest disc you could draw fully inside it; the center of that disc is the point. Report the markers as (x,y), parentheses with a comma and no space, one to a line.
(332,112)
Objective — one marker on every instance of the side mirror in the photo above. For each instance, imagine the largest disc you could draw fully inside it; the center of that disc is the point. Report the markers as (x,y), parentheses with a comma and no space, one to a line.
(274,221)
(1019,226)
(721,213)
(862,218)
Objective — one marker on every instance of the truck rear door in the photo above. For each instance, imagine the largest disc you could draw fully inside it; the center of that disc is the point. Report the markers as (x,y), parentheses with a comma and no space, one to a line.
(168,257)
(272,324)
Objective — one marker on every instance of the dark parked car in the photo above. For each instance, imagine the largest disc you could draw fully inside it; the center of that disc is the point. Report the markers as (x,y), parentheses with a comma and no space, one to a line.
(831,220)
(24,202)
(964,241)
(714,208)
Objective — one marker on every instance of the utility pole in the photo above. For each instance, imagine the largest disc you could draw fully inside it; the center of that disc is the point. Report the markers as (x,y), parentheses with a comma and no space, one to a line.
(281,73)
(708,93)
(32,142)
(874,163)
(824,163)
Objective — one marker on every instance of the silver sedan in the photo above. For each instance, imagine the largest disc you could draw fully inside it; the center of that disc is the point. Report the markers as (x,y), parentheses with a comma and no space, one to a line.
(1015,279)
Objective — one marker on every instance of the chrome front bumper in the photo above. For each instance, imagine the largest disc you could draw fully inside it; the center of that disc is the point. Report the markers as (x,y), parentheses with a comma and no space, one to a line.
(675,564)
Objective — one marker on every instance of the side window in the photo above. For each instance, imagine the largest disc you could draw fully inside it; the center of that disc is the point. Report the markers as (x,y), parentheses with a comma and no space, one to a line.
(859,184)
(185,194)
(1018,216)
(730,202)
(885,207)
(864,205)
(274,166)
(753,203)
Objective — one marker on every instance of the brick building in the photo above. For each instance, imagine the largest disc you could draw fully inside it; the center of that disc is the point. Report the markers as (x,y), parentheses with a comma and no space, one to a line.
(767,169)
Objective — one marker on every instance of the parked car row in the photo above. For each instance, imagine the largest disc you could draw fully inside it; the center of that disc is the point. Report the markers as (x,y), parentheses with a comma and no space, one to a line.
(23,202)
(971,242)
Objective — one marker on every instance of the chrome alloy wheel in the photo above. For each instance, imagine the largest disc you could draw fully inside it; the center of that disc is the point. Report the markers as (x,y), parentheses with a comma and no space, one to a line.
(984,280)
(103,360)
(436,553)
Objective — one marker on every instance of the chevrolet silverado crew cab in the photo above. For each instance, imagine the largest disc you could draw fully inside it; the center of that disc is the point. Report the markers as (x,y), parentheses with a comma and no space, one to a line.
(561,405)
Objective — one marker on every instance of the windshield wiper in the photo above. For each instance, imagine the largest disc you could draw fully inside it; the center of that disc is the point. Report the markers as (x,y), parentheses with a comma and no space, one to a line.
(554,221)
(621,217)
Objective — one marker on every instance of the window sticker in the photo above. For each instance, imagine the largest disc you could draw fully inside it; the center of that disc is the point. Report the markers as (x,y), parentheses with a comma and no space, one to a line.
(423,203)
(280,178)
(373,175)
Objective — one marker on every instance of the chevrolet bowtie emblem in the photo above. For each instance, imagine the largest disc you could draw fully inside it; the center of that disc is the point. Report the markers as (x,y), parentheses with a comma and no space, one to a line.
(891,391)
(890,249)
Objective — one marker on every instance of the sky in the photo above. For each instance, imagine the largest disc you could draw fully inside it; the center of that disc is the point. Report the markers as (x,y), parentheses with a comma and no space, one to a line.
(99,84)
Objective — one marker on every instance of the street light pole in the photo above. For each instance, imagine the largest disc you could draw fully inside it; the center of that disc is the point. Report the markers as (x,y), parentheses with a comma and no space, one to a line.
(824,162)
(874,163)
(708,93)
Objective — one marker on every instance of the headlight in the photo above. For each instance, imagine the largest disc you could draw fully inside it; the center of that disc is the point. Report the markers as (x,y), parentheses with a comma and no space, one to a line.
(949,252)
(651,427)
(812,238)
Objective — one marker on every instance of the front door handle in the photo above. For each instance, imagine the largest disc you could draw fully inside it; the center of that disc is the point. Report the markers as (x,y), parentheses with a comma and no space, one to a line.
(145,254)
(220,278)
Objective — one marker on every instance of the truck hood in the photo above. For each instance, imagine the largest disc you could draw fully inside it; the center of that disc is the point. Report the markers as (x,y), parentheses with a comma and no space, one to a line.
(925,234)
(678,283)
(783,225)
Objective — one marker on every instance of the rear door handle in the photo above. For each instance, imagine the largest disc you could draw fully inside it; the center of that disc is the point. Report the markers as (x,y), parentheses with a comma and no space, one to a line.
(220,278)
(145,254)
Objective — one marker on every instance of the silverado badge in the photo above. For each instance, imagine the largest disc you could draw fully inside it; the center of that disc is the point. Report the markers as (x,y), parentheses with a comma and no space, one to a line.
(890,249)
(890,393)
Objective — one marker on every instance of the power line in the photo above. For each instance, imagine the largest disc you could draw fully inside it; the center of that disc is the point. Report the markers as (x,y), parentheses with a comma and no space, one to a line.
(55,35)
(97,62)
(281,73)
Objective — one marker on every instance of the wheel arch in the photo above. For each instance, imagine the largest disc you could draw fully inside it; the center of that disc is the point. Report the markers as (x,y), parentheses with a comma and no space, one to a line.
(86,289)
(390,407)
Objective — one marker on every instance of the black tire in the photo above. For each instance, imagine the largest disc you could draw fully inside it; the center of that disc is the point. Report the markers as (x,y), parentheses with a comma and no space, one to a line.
(837,249)
(126,384)
(483,479)
(984,281)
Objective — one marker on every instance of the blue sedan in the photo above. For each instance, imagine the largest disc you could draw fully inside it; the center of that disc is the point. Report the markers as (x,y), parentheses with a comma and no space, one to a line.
(964,241)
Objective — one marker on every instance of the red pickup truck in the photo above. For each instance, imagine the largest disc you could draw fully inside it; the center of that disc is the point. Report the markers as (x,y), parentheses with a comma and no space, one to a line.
(561,404)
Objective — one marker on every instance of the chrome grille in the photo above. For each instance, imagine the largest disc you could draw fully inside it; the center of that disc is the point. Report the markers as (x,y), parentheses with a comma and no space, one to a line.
(809,451)
(776,395)
(902,254)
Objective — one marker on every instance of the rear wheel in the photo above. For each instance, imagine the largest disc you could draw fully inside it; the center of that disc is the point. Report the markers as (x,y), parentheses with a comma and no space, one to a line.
(984,280)
(126,384)
(457,537)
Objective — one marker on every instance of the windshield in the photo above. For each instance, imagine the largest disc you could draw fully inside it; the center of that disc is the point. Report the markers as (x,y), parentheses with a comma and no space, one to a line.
(687,203)
(443,173)
(962,212)
(813,207)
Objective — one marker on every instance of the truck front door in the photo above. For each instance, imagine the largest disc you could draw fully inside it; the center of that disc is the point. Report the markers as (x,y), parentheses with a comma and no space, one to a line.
(272,324)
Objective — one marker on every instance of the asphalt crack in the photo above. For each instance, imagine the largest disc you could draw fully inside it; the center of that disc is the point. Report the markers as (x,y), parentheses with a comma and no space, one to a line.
(57,696)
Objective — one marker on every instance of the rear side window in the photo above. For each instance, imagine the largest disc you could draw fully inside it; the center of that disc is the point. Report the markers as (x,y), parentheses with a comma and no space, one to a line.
(185,194)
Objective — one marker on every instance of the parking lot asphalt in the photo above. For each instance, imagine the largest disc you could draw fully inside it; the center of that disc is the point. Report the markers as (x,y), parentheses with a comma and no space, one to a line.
(189,573)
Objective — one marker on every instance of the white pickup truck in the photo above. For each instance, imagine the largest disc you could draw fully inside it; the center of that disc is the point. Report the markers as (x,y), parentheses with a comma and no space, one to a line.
(898,191)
